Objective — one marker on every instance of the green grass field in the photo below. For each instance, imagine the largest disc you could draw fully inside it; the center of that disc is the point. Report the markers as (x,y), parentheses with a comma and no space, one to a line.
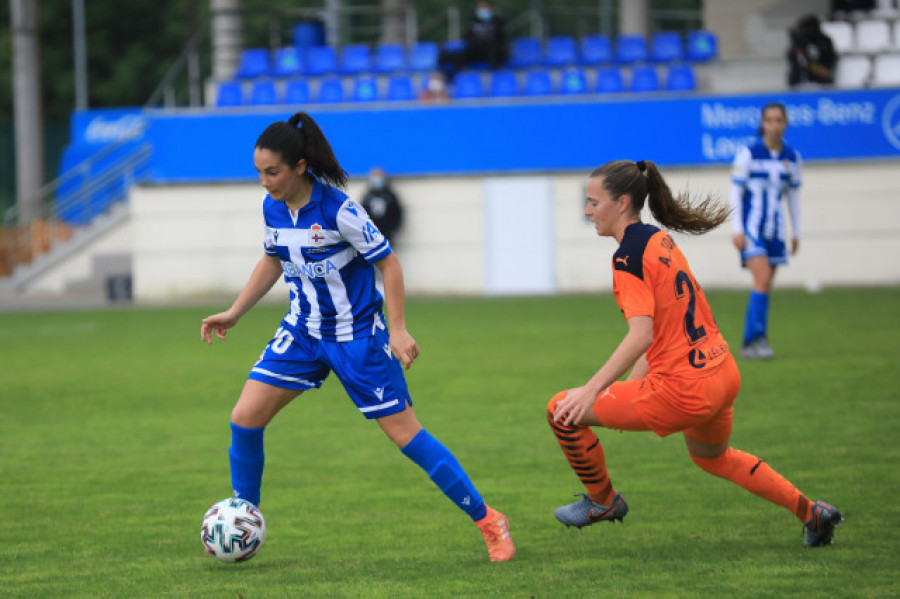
(114,436)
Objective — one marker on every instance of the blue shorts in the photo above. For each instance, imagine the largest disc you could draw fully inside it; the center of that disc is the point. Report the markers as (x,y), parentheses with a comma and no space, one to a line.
(774,249)
(367,369)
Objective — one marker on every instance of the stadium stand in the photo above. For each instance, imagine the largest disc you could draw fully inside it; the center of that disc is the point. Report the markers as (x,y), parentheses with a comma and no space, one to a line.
(321,60)
(644,79)
(886,70)
(596,49)
(296,91)
(841,34)
(263,93)
(609,81)
(853,70)
(468,84)
(365,89)
(873,36)
(504,84)
(389,58)
(400,88)
(561,51)
(423,56)
(355,59)
(229,93)
(287,62)
(331,90)
(631,48)
(573,80)
(525,52)
(254,62)
(665,46)
(681,78)
(538,82)
(702,46)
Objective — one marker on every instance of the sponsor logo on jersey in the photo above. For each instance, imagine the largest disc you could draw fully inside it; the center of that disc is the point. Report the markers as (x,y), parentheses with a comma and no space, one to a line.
(310,270)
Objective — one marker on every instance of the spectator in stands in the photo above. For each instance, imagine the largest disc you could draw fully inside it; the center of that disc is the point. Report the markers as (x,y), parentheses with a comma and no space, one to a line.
(435,89)
(764,172)
(811,57)
(382,204)
(485,43)
(841,9)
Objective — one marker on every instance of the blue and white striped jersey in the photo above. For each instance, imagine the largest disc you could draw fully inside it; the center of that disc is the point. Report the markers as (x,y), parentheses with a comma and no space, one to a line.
(760,179)
(327,253)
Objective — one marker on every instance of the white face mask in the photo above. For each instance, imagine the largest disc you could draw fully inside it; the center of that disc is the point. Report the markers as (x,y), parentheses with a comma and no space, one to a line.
(376,183)
(483,14)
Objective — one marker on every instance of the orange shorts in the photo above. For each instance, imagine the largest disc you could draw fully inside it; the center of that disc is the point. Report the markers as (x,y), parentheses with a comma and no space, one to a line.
(701,407)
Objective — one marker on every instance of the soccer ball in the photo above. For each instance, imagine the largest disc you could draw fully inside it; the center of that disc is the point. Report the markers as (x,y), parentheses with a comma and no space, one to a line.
(233,530)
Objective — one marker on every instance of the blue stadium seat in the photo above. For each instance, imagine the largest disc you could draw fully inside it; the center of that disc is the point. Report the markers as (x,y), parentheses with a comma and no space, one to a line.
(400,88)
(389,58)
(229,93)
(468,85)
(596,49)
(665,46)
(263,93)
(331,90)
(644,79)
(524,52)
(504,84)
(631,48)
(573,81)
(253,62)
(321,60)
(702,46)
(365,89)
(423,56)
(355,58)
(681,78)
(538,83)
(288,61)
(296,91)
(560,50)
(609,81)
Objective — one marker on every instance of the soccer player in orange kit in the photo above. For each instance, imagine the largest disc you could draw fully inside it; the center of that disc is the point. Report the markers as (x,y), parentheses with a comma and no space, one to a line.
(683,376)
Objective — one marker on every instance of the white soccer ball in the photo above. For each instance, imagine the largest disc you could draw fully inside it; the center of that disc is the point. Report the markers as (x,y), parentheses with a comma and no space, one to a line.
(233,530)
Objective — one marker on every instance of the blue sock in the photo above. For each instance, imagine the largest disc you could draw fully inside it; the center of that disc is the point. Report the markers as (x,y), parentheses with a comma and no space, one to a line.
(447,474)
(247,459)
(756,317)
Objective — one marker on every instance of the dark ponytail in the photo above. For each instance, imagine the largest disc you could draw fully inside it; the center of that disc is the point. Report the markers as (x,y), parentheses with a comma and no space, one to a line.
(300,137)
(642,181)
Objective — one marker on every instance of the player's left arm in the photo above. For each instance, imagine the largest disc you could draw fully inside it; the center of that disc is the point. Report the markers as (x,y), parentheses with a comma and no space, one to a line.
(793,204)
(403,346)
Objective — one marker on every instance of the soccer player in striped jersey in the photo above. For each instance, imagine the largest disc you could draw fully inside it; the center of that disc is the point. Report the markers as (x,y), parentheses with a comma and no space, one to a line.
(762,175)
(326,248)
(683,377)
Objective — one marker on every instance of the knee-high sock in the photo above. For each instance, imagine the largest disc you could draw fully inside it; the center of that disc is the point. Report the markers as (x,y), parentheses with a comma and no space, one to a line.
(582,449)
(754,475)
(247,459)
(446,472)
(756,320)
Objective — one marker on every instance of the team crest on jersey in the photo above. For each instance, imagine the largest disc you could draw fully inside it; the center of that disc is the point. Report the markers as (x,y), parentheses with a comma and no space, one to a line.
(316,235)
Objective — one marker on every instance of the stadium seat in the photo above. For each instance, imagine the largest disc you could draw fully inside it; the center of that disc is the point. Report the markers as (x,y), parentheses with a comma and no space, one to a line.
(853,71)
(400,88)
(885,9)
(681,78)
(538,83)
(631,48)
(524,52)
(596,49)
(296,91)
(609,80)
(841,34)
(886,70)
(702,46)
(873,36)
(896,33)
(423,56)
(467,85)
(560,50)
(321,60)
(365,89)
(253,62)
(308,33)
(331,90)
(504,84)
(644,79)
(355,59)
(287,62)
(263,93)
(389,58)
(665,46)
(573,81)
(229,93)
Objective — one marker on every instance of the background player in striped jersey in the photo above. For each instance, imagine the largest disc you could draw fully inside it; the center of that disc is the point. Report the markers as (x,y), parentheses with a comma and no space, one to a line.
(683,376)
(763,173)
(325,246)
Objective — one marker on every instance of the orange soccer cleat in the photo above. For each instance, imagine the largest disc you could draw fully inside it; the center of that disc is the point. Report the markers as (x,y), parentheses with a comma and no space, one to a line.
(495,529)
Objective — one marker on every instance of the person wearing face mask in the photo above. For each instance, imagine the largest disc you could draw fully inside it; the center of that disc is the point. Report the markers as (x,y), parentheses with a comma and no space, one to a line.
(485,43)
(382,204)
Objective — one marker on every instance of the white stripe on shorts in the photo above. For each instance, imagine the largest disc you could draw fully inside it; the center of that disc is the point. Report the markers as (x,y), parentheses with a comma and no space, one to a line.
(383,406)
(275,375)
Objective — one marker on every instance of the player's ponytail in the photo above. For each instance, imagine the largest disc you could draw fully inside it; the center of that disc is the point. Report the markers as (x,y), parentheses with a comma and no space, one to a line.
(300,137)
(643,182)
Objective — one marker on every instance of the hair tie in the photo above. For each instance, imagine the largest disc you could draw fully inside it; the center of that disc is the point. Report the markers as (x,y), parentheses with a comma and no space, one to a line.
(642,166)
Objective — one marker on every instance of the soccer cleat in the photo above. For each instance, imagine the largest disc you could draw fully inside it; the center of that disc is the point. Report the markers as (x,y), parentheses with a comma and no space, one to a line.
(820,526)
(585,511)
(763,349)
(495,530)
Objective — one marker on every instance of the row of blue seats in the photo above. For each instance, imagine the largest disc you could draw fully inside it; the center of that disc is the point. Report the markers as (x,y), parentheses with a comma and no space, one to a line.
(558,51)
(468,84)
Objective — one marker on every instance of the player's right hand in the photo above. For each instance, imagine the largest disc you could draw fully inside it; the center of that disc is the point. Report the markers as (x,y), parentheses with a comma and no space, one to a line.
(216,324)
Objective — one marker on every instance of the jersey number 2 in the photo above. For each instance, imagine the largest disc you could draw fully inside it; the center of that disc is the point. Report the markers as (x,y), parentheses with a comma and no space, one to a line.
(683,283)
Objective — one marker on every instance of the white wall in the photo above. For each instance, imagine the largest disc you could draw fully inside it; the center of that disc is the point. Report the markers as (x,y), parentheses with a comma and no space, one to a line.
(203,240)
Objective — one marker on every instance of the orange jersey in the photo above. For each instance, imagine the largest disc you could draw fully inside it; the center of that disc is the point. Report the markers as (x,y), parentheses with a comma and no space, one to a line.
(651,277)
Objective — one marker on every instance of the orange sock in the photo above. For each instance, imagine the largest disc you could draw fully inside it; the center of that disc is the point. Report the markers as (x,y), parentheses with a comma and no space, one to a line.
(582,449)
(754,475)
